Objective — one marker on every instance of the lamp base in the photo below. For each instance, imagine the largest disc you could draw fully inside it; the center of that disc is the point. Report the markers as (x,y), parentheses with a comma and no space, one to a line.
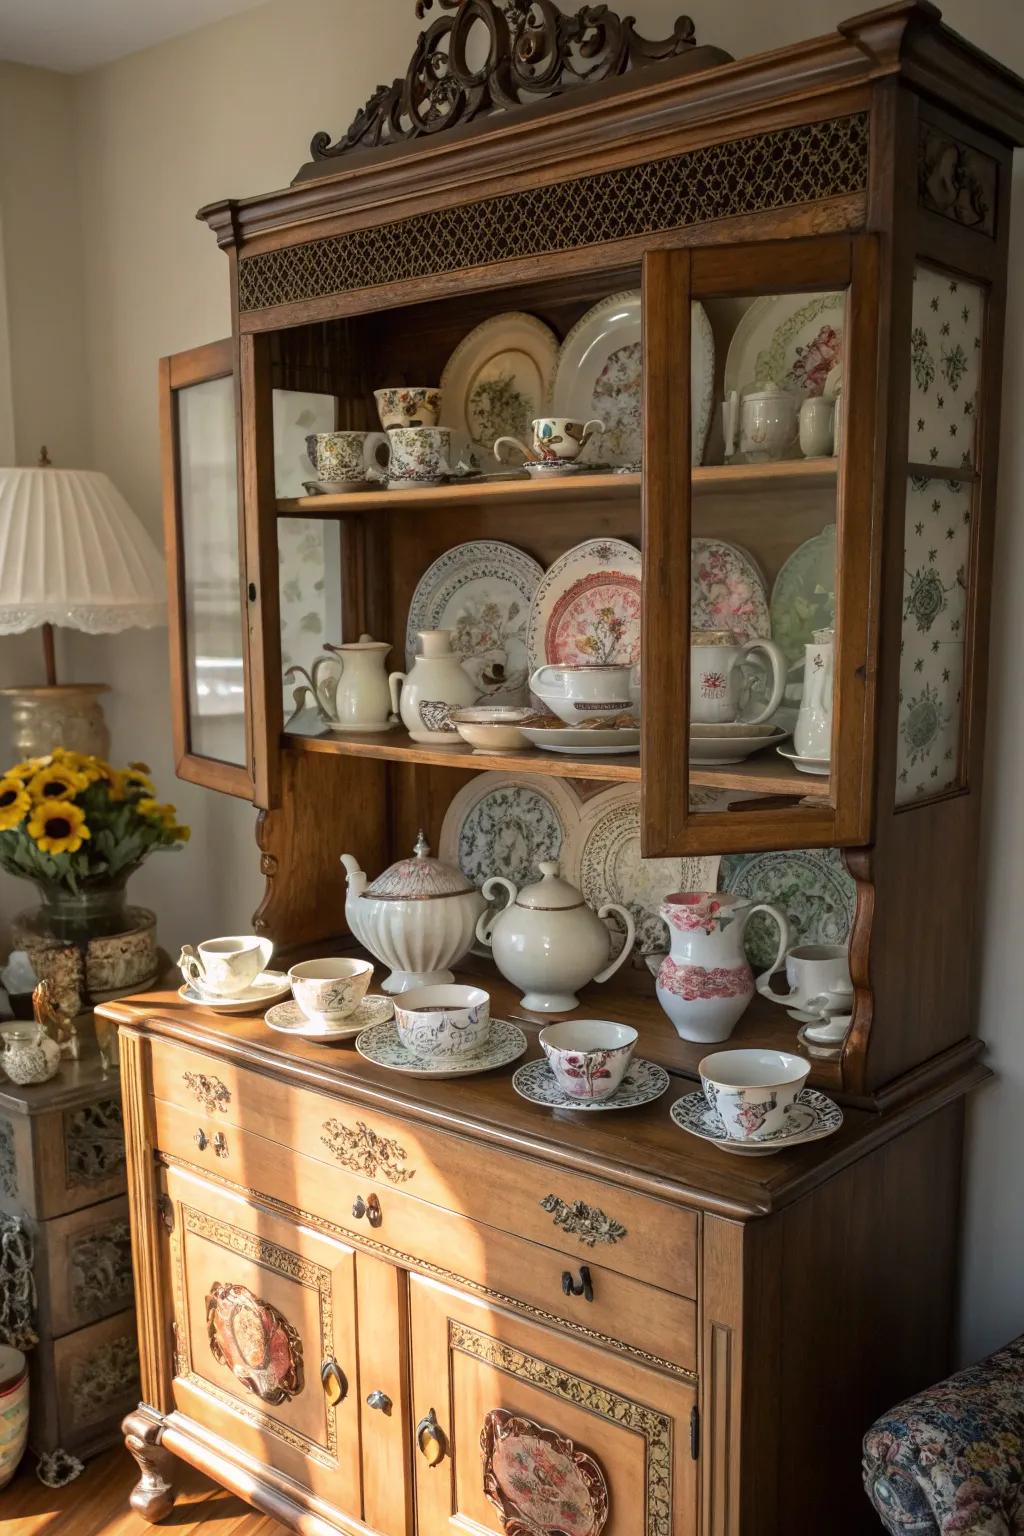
(62,715)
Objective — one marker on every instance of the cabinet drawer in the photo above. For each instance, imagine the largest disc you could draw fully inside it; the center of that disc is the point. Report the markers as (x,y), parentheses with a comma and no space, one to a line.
(588,1218)
(83,1266)
(641,1319)
(83,1385)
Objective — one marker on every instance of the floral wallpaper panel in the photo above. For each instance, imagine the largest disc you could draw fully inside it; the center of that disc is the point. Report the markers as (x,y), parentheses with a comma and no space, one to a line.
(945,351)
(309,560)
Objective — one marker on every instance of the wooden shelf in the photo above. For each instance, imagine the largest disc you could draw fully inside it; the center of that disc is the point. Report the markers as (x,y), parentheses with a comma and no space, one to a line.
(759,774)
(710,479)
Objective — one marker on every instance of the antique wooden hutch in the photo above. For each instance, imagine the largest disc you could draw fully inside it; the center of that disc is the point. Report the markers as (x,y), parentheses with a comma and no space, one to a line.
(745,1319)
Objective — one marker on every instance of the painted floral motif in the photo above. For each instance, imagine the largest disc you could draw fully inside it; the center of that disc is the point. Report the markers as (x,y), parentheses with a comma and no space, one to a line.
(255,1342)
(617,401)
(804,364)
(751,1114)
(811,887)
(539,1483)
(804,594)
(951,1459)
(508,832)
(309,588)
(945,367)
(813,1116)
(688,911)
(380,1044)
(587,607)
(577,1074)
(695,983)
(727,591)
(404,407)
(497,407)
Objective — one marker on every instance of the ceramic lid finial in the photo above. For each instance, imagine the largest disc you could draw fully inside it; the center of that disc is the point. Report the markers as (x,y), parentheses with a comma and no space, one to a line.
(548,867)
(422,847)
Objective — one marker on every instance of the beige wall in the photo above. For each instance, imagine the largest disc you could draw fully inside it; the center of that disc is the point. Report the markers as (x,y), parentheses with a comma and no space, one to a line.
(229,111)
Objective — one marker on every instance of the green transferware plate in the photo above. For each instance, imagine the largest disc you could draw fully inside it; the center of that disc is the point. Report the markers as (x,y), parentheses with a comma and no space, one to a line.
(804,595)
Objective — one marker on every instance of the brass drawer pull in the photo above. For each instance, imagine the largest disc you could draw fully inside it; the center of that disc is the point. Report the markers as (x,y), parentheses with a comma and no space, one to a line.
(220,1144)
(368,1208)
(201,1140)
(430,1438)
(334,1381)
(581,1287)
(381,1402)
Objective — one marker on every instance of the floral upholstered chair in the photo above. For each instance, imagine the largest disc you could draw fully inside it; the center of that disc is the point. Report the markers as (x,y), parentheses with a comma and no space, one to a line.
(951,1460)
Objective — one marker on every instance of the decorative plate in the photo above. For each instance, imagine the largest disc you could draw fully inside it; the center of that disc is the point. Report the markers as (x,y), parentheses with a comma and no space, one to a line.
(790,339)
(587,607)
(581,743)
(600,373)
(608,866)
(504,824)
(945,357)
(804,595)
(714,751)
(812,1116)
(727,590)
(482,591)
(269,987)
(289,1019)
(381,1045)
(810,886)
(498,380)
(644,1081)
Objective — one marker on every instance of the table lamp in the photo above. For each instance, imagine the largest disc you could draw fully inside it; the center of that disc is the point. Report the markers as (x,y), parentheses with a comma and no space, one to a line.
(72,554)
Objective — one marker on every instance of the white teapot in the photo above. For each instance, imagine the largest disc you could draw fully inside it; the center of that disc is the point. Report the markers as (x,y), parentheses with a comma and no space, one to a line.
(548,941)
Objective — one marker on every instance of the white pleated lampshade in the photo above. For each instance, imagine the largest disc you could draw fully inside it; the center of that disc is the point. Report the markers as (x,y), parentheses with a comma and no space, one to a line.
(73,553)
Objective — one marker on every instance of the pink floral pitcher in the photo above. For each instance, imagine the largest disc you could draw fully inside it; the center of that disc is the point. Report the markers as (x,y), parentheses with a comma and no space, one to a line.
(704,982)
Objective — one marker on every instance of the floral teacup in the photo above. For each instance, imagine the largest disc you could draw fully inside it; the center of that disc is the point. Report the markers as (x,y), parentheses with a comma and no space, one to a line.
(556,439)
(343,458)
(422,456)
(753,1090)
(329,989)
(588,1057)
(443,1023)
(408,406)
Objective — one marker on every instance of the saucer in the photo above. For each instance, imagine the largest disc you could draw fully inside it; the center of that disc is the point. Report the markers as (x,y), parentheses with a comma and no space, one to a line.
(812,1116)
(644,1081)
(550,471)
(824,1050)
(381,1045)
(339,487)
(731,745)
(819,765)
(269,987)
(289,1019)
(582,743)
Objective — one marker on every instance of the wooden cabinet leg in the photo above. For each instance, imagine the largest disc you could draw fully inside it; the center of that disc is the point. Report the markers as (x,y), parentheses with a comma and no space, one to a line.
(154,1494)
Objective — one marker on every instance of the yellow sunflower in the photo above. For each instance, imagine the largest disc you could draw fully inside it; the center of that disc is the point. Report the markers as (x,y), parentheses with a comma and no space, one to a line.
(91,768)
(57,783)
(14,802)
(141,767)
(156,810)
(29,768)
(58,826)
(181,834)
(134,778)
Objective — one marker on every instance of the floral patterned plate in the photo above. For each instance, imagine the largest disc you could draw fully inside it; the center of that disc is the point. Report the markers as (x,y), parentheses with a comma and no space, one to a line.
(811,886)
(289,1019)
(482,591)
(600,373)
(727,590)
(790,339)
(498,380)
(644,1081)
(587,607)
(813,1116)
(504,824)
(381,1045)
(804,595)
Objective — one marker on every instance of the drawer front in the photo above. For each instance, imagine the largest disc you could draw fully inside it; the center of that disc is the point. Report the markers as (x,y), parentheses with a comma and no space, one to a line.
(647,1321)
(83,1266)
(84,1384)
(591,1220)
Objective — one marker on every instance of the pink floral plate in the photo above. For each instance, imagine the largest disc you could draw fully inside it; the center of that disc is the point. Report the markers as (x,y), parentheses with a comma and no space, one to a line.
(587,607)
(812,1117)
(794,340)
(727,590)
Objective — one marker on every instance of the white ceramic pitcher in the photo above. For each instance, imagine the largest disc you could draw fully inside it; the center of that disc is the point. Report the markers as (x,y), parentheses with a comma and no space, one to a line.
(812,734)
(361,698)
(705,983)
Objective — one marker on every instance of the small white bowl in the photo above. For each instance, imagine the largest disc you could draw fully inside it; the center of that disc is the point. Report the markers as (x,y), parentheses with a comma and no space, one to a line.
(329,989)
(492,727)
(588,1057)
(752,1090)
(443,1023)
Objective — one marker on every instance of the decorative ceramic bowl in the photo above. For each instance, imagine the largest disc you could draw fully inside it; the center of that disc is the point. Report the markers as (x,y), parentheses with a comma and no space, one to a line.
(492,727)
(588,1057)
(13,1411)
(443,1023)
(752,1090)
(329,989)
(408,406)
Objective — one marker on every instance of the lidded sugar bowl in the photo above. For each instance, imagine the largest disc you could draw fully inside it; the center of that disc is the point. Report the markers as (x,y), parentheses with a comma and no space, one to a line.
(418,917)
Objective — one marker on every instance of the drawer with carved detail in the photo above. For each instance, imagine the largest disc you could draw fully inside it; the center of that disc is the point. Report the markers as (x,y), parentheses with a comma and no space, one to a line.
(59,1160)
(592,1219)
(83,1385)
(83,1266)
(547,1283)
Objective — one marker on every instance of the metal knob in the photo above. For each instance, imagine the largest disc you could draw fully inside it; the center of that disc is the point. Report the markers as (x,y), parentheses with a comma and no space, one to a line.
(369,1208)
(201,1140)
(220,1144)
(381,1402)
(581,1287)
(431,1440)
(335,1383)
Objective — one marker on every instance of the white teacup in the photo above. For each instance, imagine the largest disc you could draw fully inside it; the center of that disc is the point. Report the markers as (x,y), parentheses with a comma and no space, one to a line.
(588,1057)
(556,440)
(225,967)
(752,1090)
(812,971)
(443,1023)
(582,690)
(328,990)
(716,677)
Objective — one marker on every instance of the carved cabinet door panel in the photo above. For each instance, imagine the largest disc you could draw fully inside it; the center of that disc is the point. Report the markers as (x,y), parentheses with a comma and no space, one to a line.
(519,1429)
(264,1335)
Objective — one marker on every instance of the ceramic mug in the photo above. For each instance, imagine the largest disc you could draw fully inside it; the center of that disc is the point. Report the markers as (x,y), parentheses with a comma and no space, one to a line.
(588,1057)
(716,678)
(579,691)
(329,989)
(817,416)
(812,970)
(752,1090)
(408,406)
(346,458)
(556,439)
(443,1023)
(421,456)
(225,967)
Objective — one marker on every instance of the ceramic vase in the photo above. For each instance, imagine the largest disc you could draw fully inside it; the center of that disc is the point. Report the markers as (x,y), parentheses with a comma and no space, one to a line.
(13,1411)
(704,983)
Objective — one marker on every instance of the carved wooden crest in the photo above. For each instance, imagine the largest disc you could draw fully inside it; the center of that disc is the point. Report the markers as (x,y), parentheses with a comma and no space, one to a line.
(538,1481)
(492,55)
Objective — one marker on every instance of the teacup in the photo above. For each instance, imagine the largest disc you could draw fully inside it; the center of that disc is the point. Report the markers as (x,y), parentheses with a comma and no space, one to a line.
(578,691)
(408,406)
(443,1023)
(422,456)
(328,990)
(716,677)
(556,439)
(346,458)
(752,1090)
(225,967)
(588,1057)
(817,427)
(812,971)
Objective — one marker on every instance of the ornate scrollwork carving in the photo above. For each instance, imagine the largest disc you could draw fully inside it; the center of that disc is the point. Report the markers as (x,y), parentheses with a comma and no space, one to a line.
(956,181)
(534,51)
(93,1143)
(587,1222)
(210,1092)
(255,1342)
(362,1150)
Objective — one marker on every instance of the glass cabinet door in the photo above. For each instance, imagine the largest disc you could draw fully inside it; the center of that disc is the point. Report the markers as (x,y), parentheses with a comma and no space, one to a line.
(760,561)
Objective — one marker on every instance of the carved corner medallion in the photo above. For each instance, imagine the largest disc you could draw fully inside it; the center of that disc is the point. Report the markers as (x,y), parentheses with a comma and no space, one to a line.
(956,181)
(588,1223)
(537,1480)
(362,1150)
(256,1343)
(209,1092)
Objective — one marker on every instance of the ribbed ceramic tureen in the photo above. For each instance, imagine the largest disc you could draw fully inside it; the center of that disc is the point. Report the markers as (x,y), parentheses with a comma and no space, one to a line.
(418,917)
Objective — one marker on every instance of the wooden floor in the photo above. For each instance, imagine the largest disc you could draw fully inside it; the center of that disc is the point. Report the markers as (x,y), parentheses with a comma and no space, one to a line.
(97,1505)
